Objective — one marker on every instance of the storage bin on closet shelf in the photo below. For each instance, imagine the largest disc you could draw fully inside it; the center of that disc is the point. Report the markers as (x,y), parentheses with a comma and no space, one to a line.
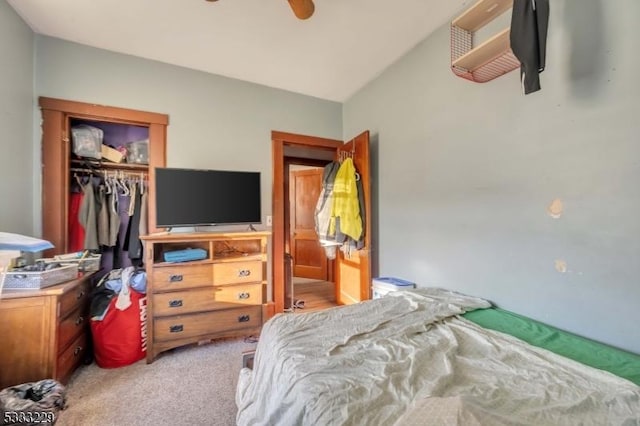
(138,152)
(87,141)
(490,59)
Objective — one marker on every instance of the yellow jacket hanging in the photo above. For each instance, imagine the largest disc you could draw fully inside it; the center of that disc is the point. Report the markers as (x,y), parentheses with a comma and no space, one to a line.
(345,202)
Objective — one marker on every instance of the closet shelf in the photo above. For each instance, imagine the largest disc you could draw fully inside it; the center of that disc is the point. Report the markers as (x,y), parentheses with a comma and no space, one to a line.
(110,166)
(490,59)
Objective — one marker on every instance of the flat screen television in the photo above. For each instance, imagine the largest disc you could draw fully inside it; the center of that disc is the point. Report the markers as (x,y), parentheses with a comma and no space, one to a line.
(192,197)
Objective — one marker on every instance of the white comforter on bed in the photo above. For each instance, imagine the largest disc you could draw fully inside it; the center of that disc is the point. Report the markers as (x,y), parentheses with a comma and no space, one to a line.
(408,359)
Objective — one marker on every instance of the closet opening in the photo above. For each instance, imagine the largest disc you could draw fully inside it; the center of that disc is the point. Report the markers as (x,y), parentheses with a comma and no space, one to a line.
(108,191)
(98,170)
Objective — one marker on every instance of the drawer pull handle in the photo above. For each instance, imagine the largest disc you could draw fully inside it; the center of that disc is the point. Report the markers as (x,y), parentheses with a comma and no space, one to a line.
(77,350)
(244,272)
(244,295)
(176,328)
(175,303)
(244,318)
(79,320)
(175,278)
(80,295)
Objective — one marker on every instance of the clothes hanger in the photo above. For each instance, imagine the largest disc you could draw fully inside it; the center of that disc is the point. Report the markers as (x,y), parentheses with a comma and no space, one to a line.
(107,184)
(118,179)
(141,181)
(77,178)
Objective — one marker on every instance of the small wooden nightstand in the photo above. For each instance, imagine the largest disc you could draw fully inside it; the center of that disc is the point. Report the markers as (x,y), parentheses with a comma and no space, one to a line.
(44,333)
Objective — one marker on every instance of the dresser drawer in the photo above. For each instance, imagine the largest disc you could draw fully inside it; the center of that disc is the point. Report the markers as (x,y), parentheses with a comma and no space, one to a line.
(70,327)
(187,326)
(181,276)
(206,299)
(246,294)
(78,296)
(71,358)
(237,272)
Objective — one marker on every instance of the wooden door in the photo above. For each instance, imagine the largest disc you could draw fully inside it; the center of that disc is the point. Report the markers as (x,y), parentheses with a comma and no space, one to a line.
(309,259)
(353,273)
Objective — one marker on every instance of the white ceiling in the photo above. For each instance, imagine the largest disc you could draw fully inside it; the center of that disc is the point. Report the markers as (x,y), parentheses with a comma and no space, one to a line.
(343,46)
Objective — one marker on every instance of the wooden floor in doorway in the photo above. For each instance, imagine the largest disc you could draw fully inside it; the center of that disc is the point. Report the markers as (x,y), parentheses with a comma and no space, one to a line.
(317,295)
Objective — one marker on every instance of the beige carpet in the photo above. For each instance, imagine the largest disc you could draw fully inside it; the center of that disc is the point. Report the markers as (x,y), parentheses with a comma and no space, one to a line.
(193,385)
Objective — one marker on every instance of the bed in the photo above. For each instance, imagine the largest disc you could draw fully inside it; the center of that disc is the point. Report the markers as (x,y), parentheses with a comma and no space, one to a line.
(413,357)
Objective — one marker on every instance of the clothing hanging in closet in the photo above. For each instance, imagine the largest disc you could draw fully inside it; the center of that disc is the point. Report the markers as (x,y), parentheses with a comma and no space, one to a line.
(87,217)
(339,214)
(345,202)
(324,208)
(111,215)
(76,230)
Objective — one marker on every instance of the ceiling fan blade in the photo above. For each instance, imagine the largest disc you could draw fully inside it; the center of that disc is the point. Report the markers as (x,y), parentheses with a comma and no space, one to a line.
(303,9)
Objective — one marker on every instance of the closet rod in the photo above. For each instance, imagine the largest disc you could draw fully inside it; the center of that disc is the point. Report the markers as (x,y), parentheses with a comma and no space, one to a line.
(75,169)
(112,173)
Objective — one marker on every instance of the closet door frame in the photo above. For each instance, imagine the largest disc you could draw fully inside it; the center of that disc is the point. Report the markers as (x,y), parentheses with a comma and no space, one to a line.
(56,153)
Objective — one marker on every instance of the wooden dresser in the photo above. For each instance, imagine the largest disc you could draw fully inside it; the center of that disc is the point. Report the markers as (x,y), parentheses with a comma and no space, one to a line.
(220,296)
(45,332)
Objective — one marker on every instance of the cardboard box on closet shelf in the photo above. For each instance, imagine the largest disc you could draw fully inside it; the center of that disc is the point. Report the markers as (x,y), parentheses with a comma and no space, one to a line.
(111,154)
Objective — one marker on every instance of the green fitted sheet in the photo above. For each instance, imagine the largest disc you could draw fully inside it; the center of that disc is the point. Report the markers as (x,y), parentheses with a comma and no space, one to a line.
(598,355)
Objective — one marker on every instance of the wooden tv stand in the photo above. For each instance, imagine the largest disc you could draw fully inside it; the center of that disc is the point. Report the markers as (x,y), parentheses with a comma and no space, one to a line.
(220,296)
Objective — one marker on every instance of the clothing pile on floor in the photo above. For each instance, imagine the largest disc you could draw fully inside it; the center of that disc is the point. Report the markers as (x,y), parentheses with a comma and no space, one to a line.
(32,403)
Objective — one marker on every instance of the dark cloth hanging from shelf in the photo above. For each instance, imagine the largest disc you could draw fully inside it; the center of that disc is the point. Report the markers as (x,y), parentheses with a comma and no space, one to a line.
(529,24)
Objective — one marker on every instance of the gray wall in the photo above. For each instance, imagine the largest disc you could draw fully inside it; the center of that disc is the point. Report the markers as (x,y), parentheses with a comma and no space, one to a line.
(16,123)
(466,173)
(214,122)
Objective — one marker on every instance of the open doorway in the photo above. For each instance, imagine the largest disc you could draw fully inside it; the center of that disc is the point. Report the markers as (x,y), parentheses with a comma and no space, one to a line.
(351,274)
(312,287)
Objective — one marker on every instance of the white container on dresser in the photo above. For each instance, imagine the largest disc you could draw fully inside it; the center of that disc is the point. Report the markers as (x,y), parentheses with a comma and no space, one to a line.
(220,296)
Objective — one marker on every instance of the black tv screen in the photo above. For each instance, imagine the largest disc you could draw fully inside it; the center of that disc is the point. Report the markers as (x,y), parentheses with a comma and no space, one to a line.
(190,197)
